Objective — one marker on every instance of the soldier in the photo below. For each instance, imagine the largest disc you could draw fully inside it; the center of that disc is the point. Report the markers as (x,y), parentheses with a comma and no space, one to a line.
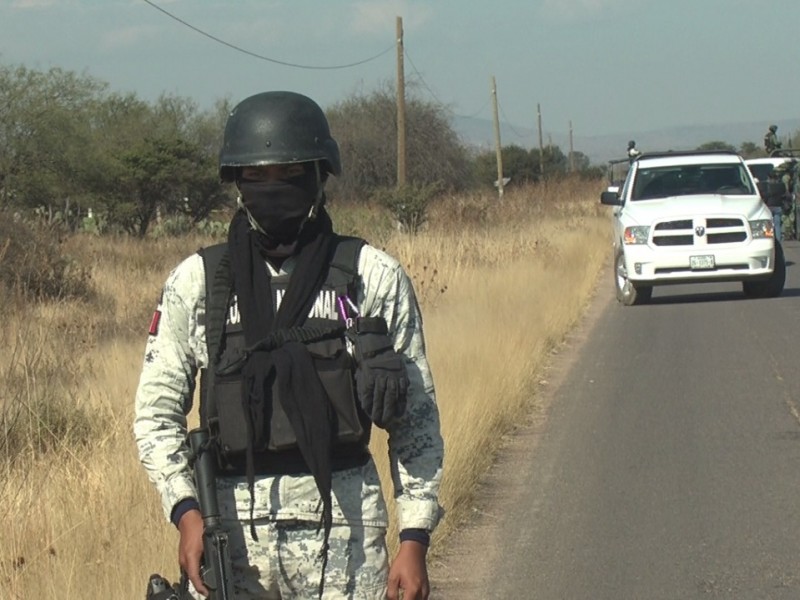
(771,141)
(632,150)
(775,201)
(786,173)
(288,398)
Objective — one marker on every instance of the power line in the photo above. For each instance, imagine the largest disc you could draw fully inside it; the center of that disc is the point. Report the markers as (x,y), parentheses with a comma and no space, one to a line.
(510,126)
(260,56)
(430,91)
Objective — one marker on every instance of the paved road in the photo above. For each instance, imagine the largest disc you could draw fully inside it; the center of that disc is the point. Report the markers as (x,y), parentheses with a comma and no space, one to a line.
(668,464)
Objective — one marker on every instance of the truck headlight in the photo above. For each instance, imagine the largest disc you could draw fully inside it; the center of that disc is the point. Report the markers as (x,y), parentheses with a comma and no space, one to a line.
(762,228)
(636,234)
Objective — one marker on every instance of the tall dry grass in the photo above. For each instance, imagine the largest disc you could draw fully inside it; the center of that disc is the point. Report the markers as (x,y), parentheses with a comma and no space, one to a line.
(501,282)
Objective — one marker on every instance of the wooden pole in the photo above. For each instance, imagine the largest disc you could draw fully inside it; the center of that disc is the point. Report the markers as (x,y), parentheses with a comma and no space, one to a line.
(541,146)
(401,108)
(497,146)
(571,155)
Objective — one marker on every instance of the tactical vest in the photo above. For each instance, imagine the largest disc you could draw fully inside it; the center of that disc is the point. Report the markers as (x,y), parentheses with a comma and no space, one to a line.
(221,406)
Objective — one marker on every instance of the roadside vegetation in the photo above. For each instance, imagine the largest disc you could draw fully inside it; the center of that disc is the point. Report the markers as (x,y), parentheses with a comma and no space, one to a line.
(500,284)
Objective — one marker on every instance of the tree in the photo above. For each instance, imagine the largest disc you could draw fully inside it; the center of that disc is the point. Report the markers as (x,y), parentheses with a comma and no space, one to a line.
(518,165)
(554,163)
(365,127)
(204,192)
(580,161)
(717,145)
(751,150)
(522,166)
(148,182)
(162,157)
(44,134)
(65,143)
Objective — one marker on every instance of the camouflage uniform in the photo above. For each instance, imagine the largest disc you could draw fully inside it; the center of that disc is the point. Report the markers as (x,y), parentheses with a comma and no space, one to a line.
(771,141)
(285,562)
(786,173)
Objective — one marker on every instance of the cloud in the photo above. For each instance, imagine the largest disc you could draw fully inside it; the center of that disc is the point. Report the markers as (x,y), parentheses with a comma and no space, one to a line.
(376,16)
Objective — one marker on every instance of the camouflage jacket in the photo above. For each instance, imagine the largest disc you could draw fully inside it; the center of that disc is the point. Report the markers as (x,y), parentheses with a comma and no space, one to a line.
(176,351)
(771,141)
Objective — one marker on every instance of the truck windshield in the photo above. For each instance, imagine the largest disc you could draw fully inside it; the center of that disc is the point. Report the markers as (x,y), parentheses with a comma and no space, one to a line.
(688,180)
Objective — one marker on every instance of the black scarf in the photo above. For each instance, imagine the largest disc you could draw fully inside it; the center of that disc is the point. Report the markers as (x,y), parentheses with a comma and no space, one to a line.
(302,396)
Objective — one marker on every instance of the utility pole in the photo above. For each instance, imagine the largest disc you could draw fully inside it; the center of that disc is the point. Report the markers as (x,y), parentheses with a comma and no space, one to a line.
(541,146)
(571,155)
(498,148)
(401,108)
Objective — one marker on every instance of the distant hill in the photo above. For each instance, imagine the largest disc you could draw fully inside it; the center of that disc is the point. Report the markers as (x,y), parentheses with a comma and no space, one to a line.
(479,133)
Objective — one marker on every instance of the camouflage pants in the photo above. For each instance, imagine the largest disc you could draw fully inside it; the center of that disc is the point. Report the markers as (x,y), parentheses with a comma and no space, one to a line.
(285,564)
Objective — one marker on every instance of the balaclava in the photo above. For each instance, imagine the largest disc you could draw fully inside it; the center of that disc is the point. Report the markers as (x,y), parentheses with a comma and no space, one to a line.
(279,209)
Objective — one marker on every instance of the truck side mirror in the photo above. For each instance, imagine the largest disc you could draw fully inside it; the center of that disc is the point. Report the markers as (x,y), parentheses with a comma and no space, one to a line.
(611,198)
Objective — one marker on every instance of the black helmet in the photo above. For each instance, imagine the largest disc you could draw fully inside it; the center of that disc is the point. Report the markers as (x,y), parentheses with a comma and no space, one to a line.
(277,128)
(773,128)
(631,144)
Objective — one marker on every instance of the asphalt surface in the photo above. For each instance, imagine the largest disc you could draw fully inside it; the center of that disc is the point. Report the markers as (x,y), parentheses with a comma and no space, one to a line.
(666,464)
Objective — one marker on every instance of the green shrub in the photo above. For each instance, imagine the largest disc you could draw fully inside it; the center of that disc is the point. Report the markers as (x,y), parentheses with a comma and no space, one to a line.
(213,229)
(174,226)
(40,425)
(32,263)
(408,204)
(95,224)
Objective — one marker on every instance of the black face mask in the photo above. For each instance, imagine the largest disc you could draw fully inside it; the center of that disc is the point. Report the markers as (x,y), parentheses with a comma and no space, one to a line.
(280,207)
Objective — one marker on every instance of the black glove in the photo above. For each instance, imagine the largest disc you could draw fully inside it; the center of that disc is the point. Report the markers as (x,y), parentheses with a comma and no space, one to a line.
(381,379)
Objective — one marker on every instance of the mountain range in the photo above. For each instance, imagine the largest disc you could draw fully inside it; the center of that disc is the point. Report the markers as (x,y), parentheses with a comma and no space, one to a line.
(479,134)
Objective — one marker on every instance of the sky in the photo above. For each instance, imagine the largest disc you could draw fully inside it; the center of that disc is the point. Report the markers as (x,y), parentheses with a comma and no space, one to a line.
(598,66)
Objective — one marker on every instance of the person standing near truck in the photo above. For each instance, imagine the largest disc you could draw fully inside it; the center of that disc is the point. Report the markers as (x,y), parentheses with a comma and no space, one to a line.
(633,152)
(771,141)
(786,174)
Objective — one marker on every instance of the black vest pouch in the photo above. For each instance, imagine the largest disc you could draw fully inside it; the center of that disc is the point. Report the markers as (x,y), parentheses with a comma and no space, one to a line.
(272,429)
(334,365)
(232,417)
(281,433)
(227,415)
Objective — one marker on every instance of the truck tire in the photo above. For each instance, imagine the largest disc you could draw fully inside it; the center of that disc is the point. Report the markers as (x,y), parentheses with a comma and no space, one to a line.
(628,293)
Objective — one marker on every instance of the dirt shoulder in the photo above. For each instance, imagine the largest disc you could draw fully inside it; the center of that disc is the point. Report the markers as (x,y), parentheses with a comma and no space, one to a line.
(460,568)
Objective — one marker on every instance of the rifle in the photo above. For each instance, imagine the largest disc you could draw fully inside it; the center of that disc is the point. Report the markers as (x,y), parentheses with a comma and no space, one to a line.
(216,566)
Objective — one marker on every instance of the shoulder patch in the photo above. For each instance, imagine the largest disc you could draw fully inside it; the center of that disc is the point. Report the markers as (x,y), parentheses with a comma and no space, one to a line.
(154,323)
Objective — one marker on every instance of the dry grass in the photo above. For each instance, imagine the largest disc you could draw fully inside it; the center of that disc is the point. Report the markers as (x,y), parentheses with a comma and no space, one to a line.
(500,283)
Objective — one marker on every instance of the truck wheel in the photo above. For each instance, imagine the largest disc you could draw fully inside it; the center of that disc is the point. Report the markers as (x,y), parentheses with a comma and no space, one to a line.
(628,294)
(772,287)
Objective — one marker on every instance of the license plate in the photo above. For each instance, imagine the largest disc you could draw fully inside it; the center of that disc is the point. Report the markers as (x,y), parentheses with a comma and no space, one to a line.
(702,261)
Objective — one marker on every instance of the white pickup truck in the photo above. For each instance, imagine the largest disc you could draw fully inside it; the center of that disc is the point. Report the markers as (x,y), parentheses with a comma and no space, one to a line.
(685,217)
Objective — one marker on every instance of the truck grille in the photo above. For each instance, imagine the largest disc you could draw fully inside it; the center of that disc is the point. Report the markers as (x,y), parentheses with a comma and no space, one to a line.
(700,232)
